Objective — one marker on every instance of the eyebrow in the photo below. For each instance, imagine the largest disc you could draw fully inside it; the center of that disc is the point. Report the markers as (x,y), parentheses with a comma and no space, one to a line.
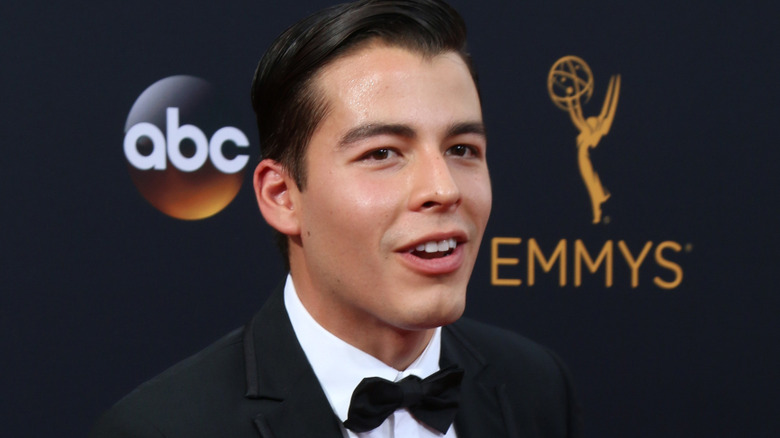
(363,132)
(477,128)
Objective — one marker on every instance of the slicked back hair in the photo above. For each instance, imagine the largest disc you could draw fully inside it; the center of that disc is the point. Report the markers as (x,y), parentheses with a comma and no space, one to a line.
(288,106)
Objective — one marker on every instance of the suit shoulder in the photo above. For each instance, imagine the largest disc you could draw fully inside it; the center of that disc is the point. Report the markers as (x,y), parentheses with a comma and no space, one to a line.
(513,357)
(215,363)
(206,385)
(535,382)
(497,344)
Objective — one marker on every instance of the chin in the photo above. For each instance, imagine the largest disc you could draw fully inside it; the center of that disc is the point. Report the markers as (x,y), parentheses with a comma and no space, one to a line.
(437,316)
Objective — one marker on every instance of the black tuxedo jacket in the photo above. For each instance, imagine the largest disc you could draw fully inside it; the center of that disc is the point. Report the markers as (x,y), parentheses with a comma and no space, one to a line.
(256,382)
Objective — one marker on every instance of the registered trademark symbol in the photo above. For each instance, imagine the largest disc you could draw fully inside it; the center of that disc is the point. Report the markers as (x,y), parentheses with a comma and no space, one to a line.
(606,220)
(688,247)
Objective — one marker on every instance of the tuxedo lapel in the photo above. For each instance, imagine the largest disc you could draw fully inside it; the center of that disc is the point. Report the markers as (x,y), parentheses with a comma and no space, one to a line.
(482,411)
(290,401)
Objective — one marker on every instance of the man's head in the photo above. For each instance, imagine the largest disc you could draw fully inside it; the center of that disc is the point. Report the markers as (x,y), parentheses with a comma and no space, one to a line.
(386,212)
(288,108)
(287,105)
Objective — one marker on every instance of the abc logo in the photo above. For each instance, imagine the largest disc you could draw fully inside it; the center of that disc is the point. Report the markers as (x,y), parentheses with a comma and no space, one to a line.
(182,155)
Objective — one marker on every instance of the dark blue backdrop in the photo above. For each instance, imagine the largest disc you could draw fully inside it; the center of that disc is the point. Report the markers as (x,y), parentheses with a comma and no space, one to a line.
(101,291)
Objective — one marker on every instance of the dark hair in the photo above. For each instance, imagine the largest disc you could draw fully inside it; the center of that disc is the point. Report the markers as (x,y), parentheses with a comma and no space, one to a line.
(287,105)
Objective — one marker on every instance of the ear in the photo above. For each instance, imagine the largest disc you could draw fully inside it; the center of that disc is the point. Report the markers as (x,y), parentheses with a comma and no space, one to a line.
(276,193)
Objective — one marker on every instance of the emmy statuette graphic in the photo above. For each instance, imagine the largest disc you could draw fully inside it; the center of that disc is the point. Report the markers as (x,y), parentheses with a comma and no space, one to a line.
(569,82)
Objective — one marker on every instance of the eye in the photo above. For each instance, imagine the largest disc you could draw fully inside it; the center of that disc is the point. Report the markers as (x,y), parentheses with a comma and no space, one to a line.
(378,154)
(462,150)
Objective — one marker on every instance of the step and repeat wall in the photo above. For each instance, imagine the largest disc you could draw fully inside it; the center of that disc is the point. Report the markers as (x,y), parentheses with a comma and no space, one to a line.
(633,152)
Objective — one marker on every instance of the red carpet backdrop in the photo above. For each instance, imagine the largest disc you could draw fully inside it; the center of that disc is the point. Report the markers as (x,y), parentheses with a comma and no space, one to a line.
(633,152)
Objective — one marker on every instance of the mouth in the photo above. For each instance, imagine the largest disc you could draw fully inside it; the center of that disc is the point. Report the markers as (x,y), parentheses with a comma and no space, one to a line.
(436,254)
(441,255)
(434,249)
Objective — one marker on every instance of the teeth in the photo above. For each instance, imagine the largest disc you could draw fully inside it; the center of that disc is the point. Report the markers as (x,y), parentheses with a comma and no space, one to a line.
(440,246)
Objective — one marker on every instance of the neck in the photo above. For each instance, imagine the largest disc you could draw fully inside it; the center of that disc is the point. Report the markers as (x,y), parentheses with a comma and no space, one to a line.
(397,349)
(395,346)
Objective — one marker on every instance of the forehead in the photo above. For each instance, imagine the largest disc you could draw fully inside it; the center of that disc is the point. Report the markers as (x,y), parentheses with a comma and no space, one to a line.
(379,80)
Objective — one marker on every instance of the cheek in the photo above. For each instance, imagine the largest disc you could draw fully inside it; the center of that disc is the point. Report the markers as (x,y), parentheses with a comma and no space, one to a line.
(480,196)
(357,208)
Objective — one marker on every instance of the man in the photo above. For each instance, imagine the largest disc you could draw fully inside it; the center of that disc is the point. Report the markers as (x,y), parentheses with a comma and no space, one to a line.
(374,174)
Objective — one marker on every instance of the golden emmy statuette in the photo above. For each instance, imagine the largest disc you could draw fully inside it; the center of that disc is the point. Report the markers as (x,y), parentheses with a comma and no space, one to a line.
(569,82)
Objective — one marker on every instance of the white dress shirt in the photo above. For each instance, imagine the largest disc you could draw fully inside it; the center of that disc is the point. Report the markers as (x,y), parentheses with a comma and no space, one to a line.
(340,367)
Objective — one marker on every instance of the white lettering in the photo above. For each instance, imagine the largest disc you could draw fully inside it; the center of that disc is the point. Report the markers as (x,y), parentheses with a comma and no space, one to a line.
(178,133)
(155,160)
(223,135)
(204,148)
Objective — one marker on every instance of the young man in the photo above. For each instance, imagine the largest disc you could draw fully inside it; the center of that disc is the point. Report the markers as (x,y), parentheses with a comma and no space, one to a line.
(374,174)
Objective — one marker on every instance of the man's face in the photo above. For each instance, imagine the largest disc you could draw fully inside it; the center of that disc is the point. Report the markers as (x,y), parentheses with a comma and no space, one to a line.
(396,177)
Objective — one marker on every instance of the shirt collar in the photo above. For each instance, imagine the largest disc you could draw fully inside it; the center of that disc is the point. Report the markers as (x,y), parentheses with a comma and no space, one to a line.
(339,366)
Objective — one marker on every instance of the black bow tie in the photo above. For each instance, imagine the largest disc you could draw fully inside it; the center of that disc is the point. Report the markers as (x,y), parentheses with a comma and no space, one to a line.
(432,401)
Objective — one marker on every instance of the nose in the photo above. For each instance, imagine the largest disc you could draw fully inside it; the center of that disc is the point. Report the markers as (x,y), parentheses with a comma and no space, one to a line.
(433,184)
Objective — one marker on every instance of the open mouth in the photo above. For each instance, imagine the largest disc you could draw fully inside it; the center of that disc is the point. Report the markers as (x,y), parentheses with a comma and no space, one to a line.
(435,249)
